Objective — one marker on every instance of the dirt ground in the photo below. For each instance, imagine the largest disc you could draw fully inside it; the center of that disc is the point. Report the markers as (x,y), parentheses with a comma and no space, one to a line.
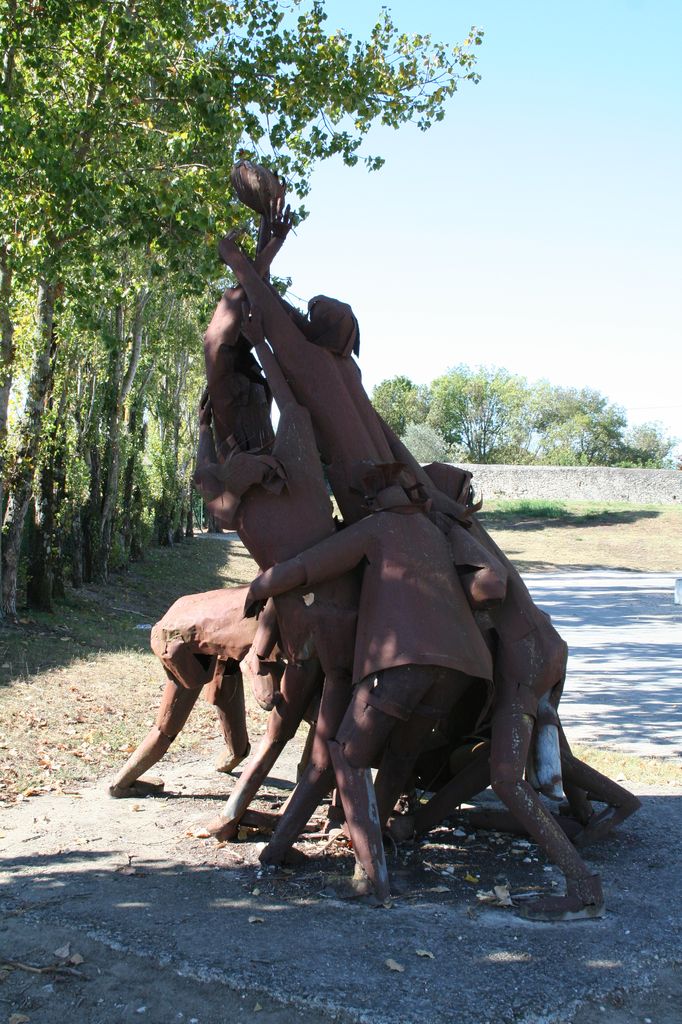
(171,926)
(128,912)
(588,537)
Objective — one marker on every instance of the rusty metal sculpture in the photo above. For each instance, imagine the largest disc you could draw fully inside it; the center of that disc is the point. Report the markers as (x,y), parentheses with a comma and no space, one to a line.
(405,625)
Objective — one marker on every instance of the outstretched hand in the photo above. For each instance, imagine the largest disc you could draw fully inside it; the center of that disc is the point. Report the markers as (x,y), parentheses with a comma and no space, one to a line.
(253,605)
(281,218)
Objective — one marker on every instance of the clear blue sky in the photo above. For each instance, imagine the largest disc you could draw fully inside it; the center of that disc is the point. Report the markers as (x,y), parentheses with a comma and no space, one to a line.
(539,226)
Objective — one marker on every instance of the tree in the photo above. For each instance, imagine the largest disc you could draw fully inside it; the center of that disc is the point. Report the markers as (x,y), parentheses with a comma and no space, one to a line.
(482,414)
(120,121)
(399,401)
(647,445)
(425,443)
(576,427)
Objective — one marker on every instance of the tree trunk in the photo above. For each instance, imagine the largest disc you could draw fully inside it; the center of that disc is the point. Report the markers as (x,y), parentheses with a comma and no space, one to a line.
(128,482)
(136,545)
(6,368)
(21,483)
(40,578)
(213,524)
(61,533)
(137,432)
(189,521)
(179,532)
(121,384)
(77,549)
(90,515)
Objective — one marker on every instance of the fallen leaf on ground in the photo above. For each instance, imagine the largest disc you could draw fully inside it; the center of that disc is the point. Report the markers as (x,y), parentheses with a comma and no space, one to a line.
(393,965)
(64,952)
(502,893)
(425,952)
(498,896)
(18,1018)
(439,888)
(76,959)
(256,920)
(202,834)
(257,1007)
(470,878)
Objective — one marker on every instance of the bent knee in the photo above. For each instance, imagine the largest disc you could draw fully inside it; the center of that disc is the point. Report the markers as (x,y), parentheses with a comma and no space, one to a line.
(485,588)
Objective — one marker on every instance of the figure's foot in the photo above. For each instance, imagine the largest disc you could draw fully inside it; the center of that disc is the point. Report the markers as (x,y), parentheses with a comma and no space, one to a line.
(291,858)
(227,761)
(362,889)
(583,899)
(223,829)
(401,828)
(146,786)
(601,824)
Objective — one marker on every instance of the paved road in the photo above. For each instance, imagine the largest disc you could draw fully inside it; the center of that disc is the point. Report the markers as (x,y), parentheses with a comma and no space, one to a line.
(624,631)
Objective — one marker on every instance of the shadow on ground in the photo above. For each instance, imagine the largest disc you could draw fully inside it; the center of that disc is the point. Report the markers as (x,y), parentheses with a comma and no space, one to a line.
(134,885)
(513,521)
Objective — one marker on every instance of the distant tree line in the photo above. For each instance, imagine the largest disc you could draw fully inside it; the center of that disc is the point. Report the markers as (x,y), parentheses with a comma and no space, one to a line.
(119,123)
(488,415)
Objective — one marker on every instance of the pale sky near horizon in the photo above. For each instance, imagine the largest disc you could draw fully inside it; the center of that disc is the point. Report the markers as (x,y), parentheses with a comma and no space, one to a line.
(538,226)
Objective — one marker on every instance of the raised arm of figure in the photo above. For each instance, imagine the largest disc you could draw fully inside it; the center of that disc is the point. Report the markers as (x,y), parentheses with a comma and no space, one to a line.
(280,329)
(224,325)
(252,329)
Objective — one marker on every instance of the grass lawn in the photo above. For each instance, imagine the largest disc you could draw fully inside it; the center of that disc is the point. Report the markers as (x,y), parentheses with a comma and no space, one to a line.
(78,689)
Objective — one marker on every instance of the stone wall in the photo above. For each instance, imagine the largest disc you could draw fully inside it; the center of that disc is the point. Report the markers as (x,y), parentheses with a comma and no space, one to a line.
(575,483)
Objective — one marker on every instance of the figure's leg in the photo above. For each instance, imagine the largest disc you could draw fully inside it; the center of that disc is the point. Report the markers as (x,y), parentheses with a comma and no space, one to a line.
(226,693)
(299,683)
(304,760)
(584,784)
(408,739)
(318,777)
(472,779)
(176,705)
(511,735)
(360,738)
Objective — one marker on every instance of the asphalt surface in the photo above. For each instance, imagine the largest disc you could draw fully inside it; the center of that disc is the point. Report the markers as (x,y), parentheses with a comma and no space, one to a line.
(624,633)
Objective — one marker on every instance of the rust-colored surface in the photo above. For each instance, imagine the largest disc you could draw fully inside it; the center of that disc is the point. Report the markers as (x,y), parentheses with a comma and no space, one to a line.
(403,633)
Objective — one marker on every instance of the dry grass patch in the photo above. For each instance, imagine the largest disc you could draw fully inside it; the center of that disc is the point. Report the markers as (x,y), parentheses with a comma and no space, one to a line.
(631,768)
(79,689)
(539,536)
